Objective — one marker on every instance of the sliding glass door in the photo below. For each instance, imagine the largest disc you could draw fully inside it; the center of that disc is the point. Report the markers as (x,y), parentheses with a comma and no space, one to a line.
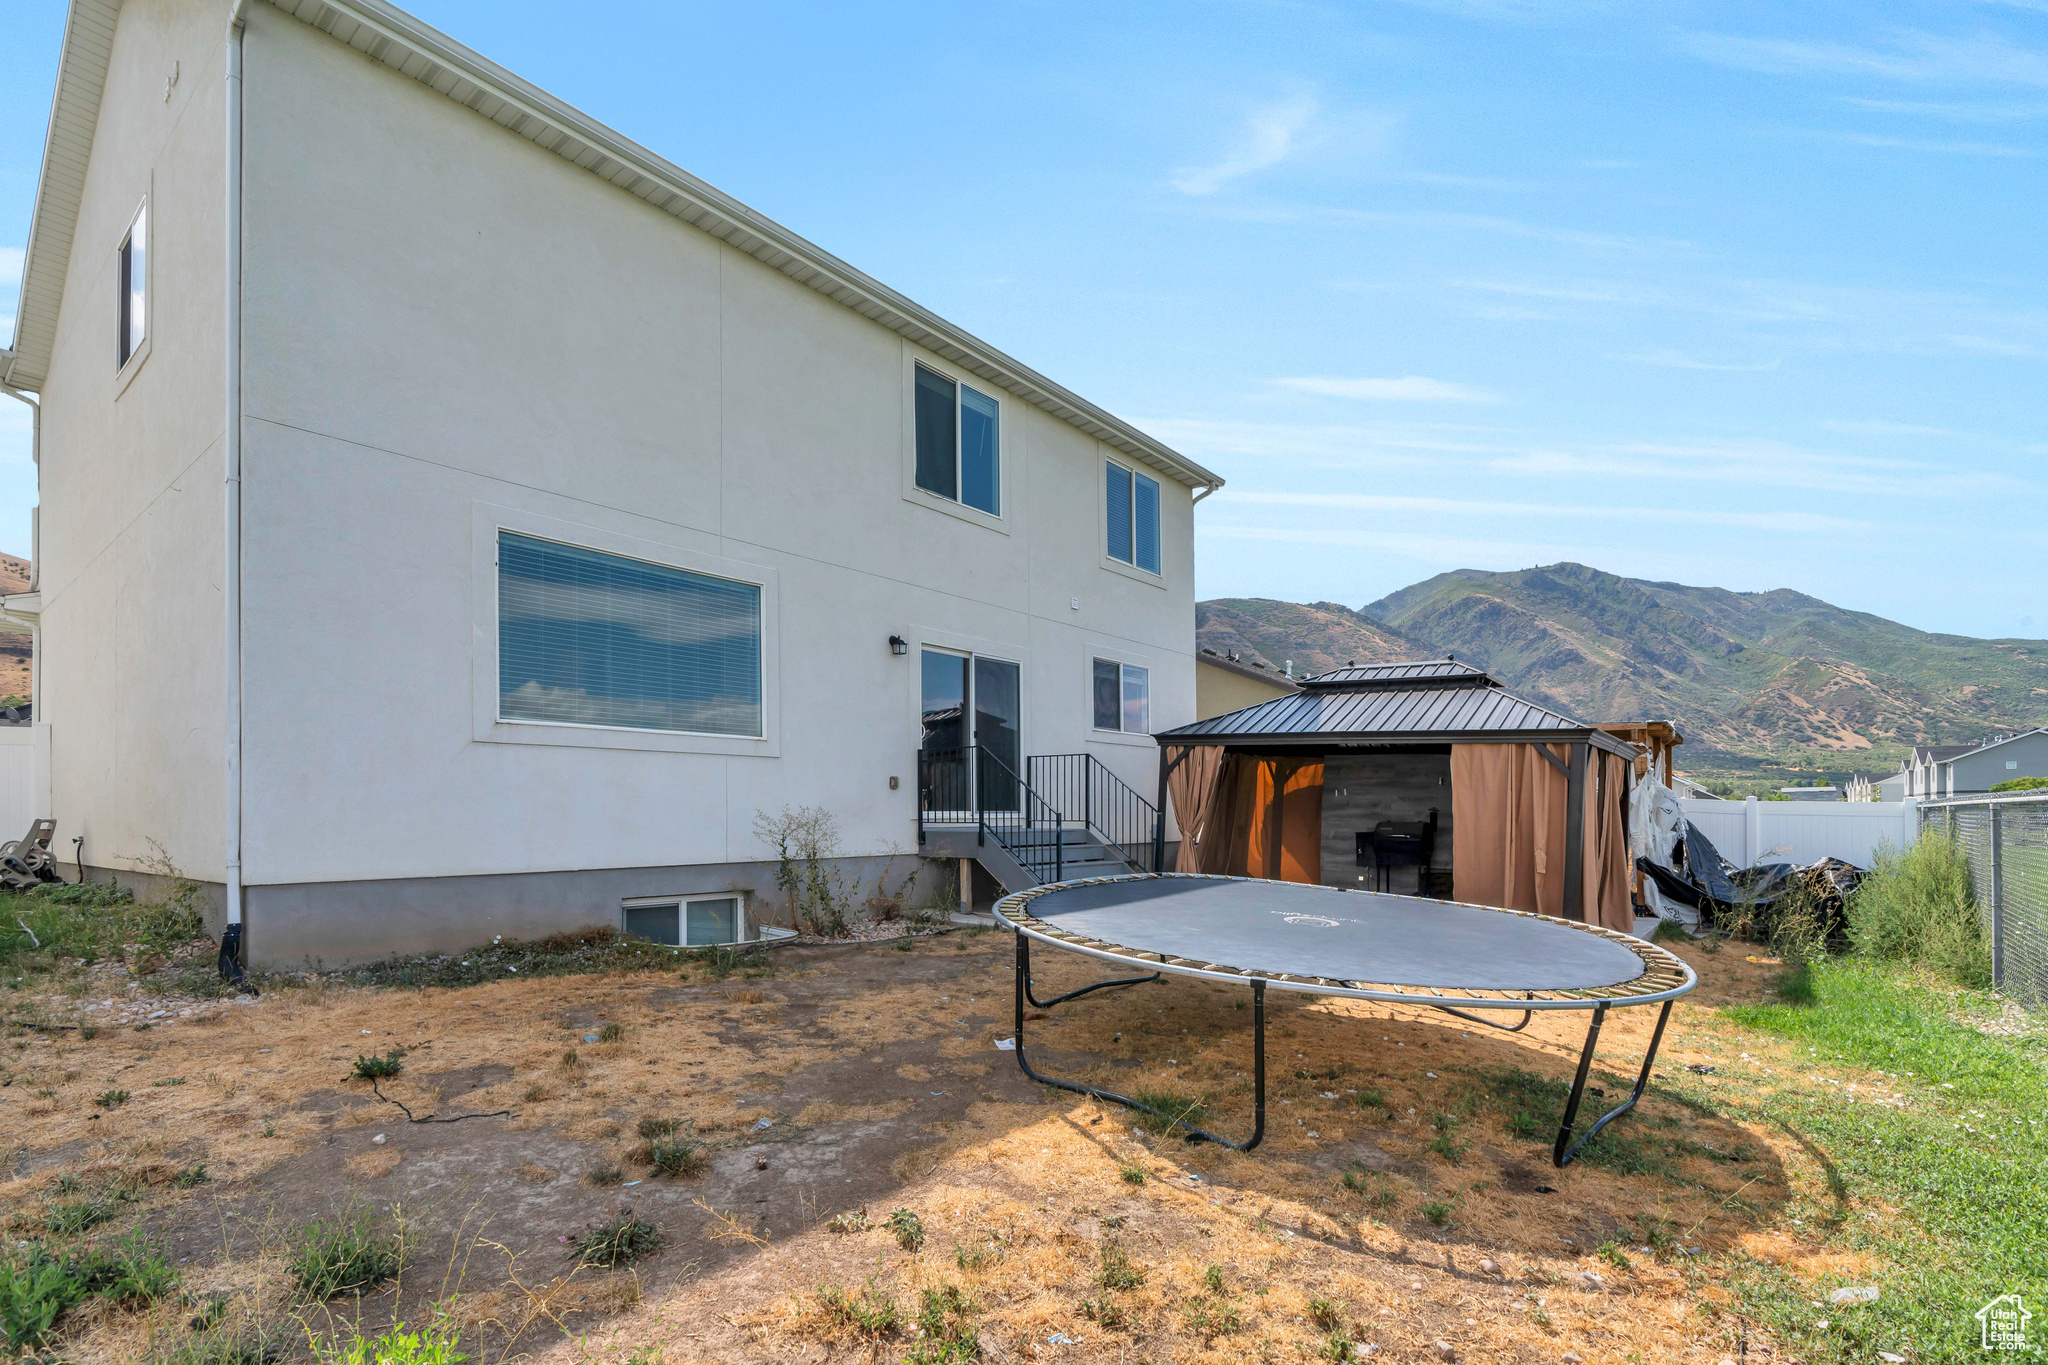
(968,700)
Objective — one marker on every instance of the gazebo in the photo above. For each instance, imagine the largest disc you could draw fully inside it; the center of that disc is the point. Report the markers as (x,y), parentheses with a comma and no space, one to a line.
(1432,766)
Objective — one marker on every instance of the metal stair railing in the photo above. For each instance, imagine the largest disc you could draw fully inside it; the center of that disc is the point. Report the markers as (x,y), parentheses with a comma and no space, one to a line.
(1085,788)
(970,783)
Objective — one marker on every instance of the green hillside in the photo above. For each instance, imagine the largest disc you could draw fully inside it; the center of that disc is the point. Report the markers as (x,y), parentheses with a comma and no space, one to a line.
(1762,685)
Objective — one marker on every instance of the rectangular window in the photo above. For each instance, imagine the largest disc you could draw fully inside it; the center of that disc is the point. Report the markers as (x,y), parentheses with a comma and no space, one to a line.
(1131,501)
(133,324)
(959,442)
(1122,697)
(586,638)
(701,923)
(1117,499)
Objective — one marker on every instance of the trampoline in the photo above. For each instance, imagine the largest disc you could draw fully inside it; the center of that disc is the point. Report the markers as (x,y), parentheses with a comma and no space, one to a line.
(1364,945)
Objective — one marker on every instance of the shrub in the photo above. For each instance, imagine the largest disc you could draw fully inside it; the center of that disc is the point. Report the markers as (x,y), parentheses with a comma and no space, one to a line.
(347,1254)
(1916,905)
(1437,1211)
(679,1156)
(2021,784)
(619,1240)
(33,1295)
(380,1068)
(1324,1314)
(805,840)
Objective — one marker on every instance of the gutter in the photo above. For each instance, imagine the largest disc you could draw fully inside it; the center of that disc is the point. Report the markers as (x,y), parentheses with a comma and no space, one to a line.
(232,952)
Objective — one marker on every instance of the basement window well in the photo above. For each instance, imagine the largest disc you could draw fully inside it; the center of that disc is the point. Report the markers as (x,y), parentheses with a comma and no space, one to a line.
(688,921)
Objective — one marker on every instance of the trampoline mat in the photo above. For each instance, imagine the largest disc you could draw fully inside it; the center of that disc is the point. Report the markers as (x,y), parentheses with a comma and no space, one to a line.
(1294,929)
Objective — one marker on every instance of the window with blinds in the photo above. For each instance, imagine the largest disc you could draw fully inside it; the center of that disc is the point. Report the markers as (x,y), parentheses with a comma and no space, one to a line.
(586,638)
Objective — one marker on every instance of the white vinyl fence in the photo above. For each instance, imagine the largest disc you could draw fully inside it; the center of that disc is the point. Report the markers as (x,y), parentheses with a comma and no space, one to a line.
(1752,831)
(24,778)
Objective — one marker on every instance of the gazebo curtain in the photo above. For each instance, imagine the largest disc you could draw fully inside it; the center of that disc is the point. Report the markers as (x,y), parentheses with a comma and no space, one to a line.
(1261,817)
(1508,832)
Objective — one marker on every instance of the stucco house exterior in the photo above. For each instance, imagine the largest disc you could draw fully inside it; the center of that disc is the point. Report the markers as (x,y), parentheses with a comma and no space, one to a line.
(404,606)
(1224,682)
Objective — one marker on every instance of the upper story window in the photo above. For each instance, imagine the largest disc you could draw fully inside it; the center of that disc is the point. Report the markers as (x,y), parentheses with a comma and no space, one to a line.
(959,452)
(1132,501)
(1123,697)
(586,638)
(132,327)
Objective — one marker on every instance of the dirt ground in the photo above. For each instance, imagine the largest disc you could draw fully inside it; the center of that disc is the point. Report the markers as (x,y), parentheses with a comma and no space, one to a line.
(868,1078)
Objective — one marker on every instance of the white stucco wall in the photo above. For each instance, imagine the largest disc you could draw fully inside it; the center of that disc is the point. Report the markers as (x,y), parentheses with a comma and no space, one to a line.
(449,326)
(130,537)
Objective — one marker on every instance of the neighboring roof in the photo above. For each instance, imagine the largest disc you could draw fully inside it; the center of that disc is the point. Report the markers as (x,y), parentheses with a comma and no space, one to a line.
(1272,677)
(388,35)
(1421,671)
(67,146)
(1393,703)
(1941,753)
(1987,746)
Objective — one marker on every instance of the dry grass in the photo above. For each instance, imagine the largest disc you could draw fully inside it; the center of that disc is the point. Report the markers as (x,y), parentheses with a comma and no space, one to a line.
(1018,1197)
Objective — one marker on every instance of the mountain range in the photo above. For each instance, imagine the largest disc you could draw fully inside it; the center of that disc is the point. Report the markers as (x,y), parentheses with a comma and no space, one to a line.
(1758,682)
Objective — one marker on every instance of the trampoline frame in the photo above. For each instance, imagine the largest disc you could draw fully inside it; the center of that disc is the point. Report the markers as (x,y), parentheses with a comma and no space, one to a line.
(1664,978)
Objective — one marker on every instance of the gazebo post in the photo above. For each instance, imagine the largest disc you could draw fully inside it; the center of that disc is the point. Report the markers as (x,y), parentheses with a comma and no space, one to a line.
(1159,817)
(1575,834)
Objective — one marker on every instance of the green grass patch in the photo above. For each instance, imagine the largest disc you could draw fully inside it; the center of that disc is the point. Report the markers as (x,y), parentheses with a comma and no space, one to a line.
(1177,1112)
(345,1255)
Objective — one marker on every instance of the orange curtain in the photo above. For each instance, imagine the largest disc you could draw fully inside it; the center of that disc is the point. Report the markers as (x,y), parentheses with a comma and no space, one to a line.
(1192,785)
(1607,897)
(1267,820)
(1507,827)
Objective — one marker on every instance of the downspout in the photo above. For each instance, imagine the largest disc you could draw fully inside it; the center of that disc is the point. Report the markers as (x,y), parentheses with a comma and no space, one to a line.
(1206,491)
(232,951)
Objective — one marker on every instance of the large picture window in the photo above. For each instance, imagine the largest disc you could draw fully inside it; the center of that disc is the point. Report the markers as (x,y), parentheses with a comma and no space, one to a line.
(1123,697)
(586,638)
(959,439)
(1132,502)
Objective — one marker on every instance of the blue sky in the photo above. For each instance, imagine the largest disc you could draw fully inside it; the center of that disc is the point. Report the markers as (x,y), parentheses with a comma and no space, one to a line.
(1740,294)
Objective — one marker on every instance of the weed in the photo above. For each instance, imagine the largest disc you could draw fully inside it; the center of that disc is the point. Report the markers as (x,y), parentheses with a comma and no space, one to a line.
(979,1259)
(652,1127)
(1338,1347)
(231,1350)
(947,1338)
(818,895)
(853,1220)
(1437,1211)
(348,1254)
(375,1068)
(1212,1279)
(568,1059)
(434,1344)
(1119,1271)
(619,1240)
(1671,931)
(909,1229)
(111,1099)
(1324,1314)
(612,1032)
(88,1032)
(1445,1144)
(721,962)
(1105,1312)
(32,1297)
(534,1094)
(1370,1098)
(682,1157)
(192,1175)
(1612,1253)
(1917,905)
(604,1173)
(168,1080)
(139,1274)
(873,1314)
(78,1215)
(1131,1172)
(1211,1320)
(1176,1112)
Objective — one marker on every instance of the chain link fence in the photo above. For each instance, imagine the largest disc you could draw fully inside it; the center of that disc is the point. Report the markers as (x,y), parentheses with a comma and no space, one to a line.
(2006,841)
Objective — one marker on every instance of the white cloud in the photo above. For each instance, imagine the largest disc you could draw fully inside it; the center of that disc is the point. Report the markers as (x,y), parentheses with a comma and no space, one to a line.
(1678,360)
(1270,136)
(11,258)
(1765,519)
(1956,113)
(1991,346)
(1412,389)
(1885,429)
(1911,56)
(1922,144)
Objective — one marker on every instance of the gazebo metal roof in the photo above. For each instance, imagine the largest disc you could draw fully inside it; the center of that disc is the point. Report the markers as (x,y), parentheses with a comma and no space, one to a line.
(1433,701)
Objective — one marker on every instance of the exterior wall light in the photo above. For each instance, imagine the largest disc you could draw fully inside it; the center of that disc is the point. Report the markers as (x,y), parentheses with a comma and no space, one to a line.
(898,645)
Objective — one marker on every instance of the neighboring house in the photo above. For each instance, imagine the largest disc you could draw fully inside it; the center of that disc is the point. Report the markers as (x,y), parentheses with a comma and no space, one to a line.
(457,520)
(1876,787)
(1963,769)
(1226,682)
(1810,793)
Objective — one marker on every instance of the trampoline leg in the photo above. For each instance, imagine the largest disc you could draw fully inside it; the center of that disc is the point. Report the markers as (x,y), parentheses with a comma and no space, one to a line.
(1036,1003)
(1194,1134)
(1566,1149)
